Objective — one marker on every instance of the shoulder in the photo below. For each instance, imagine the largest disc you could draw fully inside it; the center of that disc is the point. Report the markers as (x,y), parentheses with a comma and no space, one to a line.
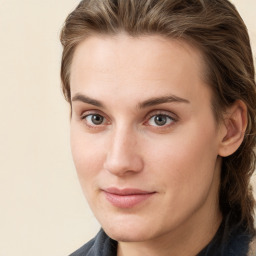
(100,245)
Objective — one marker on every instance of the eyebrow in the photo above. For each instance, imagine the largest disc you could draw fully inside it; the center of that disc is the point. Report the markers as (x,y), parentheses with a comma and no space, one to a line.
(147,103)
(86,99)
(161,100)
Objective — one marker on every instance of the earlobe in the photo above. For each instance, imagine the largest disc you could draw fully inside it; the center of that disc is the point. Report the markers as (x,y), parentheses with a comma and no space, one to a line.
(234,126)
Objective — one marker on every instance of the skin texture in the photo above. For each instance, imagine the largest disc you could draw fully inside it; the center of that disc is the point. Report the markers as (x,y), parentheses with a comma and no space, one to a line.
(178,161)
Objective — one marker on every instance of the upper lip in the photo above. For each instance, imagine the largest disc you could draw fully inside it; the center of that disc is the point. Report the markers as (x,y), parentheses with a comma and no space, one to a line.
(127,191)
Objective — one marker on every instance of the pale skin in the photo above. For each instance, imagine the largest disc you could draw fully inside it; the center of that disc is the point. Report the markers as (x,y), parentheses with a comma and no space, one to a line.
(142,119)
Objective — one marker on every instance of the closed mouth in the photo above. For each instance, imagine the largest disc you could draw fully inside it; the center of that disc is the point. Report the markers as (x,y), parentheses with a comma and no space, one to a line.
(126,198)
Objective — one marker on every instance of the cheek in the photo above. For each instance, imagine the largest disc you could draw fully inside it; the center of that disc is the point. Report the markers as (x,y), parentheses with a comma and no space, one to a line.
(185,161)
(88,157)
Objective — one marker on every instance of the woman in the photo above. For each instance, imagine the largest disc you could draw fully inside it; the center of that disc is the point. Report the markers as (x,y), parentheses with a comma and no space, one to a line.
(163,108)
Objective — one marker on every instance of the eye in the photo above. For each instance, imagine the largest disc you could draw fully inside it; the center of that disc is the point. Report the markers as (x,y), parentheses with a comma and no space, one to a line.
(94,119)
(160,120)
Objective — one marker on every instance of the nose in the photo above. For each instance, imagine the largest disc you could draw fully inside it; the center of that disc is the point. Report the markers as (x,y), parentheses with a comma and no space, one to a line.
(123,156)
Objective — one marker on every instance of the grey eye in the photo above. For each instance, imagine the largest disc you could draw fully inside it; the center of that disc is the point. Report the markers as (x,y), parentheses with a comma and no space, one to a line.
(95,119)
(160,120)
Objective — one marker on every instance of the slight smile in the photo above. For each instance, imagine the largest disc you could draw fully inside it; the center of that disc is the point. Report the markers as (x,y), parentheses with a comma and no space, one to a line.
(126,198)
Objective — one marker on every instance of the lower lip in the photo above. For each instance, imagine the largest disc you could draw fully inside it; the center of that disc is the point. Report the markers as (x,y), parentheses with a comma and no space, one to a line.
(126,201)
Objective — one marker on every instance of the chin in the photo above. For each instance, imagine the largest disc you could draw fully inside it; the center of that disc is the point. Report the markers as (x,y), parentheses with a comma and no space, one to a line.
(129,230)
(127,235)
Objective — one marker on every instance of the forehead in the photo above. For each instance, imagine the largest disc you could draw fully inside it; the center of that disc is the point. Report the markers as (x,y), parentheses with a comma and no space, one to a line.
(106,64)
(111,53)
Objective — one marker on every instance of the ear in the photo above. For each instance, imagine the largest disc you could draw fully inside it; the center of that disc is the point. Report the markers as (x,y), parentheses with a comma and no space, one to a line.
(233,128)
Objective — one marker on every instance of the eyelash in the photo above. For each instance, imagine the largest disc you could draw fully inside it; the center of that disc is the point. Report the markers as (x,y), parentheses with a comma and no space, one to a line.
(172,119)
(92,113)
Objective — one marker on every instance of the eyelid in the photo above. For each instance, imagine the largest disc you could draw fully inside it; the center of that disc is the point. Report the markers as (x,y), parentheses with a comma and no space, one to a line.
(162,112)
(92,112)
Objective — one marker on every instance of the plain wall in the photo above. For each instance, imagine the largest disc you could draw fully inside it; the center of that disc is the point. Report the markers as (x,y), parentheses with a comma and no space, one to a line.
(43,211)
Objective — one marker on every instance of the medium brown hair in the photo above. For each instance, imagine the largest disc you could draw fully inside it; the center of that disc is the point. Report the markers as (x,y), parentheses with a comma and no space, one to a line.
(214,27)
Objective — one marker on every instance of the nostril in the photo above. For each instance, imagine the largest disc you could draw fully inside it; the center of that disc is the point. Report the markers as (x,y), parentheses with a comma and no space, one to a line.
(123,164)
(116,166)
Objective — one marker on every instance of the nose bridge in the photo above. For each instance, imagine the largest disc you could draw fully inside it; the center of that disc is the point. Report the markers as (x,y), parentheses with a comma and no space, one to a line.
(123,152)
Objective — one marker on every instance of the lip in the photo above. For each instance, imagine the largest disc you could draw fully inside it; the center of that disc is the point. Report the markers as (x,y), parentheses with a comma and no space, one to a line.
(126,198)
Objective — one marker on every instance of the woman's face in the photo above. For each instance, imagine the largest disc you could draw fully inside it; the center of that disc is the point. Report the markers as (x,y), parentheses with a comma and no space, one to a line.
(143,135)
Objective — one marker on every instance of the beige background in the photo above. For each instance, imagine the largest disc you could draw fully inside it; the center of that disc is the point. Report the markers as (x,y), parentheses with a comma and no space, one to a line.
(42,209)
